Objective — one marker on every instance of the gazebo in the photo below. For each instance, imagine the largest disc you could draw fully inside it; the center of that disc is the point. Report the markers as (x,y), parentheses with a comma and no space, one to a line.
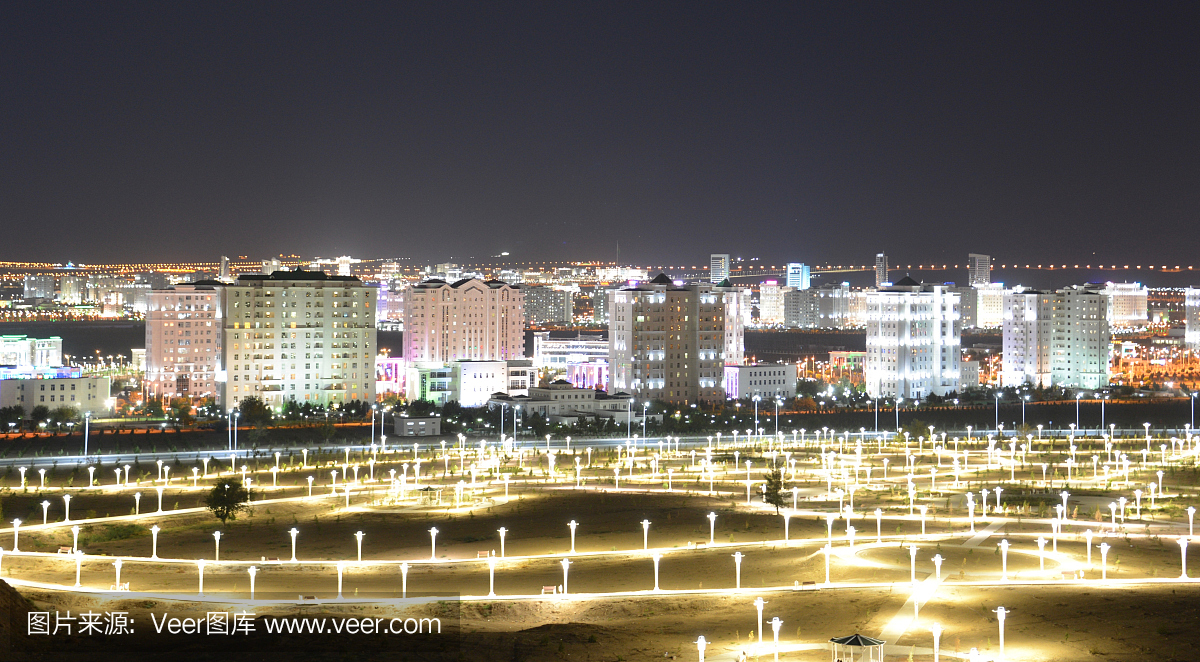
(857,648)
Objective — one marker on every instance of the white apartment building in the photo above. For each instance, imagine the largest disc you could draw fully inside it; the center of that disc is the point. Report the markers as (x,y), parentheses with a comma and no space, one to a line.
(770,302)
(718,267)
(1028,317)
(913,341)
(184,334)
(548,305)
(1080,341)
(1191,312)
(1127,304)
(671,343)
(766,380)
(881,269)
(823,307)
(1057,338)
(467,320)
(298,335)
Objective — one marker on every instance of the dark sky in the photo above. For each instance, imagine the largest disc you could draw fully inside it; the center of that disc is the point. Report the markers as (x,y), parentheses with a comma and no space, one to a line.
(820,132)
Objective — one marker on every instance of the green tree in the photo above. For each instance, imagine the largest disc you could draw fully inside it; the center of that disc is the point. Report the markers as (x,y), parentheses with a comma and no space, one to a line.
(773,490)
(11,417)
(40,414)
(227,499)
(254,412)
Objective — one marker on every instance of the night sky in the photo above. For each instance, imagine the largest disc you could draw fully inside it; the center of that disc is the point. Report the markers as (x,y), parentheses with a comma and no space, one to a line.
(818,132)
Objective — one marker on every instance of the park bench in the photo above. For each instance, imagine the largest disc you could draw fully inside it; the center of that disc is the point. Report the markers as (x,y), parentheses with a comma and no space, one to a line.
(64,549)
(482,555)
(306,599)
(552,590)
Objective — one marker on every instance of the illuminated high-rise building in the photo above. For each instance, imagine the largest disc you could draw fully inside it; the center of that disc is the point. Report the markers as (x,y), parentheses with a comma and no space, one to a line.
(718,267)
(799,275)
(669,343)
(913,341)
(881,270)
(979,269)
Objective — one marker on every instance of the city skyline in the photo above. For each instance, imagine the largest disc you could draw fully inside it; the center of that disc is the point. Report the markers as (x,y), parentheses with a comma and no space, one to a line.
(1040,133)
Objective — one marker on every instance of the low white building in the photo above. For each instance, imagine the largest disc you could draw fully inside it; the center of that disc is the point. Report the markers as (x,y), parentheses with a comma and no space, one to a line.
(766,380)
(425,426)
(53,388)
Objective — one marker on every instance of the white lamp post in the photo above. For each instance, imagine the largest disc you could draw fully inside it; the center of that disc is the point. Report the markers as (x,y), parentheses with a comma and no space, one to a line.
(404,580)
(758,604)
(253,571)
(878,525)
(117,564)
(154,541)
(45,511)
(566,563)
(572,524)
(701,644)
(645,534)
(217,552)
(16,529)
(78,566)
(160,495)
(1004,560)
(358,536)
(200,568)
(502,531)
(937,565)
(1001,612)
(912,565)
(294,532)
(491,561)
(74,539)
(1088,536)
(1104,561)
(1183,543)
(341,566)
(433,543)
(657,558)
(737,570)
(936,629)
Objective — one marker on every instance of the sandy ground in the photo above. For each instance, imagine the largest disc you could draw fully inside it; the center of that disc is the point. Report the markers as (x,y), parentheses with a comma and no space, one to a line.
(1050,619)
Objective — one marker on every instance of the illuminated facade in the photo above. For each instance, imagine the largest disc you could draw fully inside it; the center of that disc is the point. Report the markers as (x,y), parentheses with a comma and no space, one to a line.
(770,302)
(822,307)
(979,270)
(183,341)
(671,343)
(467,320)
(1191,308)
(1057,338)
(718,267)
(1028,316)
(766,380)
(1127,304)
(298,335)
(913,341)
